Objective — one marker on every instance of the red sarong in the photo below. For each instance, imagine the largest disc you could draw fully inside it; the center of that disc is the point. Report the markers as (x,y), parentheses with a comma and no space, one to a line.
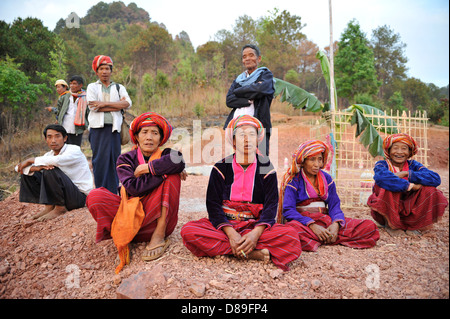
(103,206)
(203,239)
(407,210)
(356,233)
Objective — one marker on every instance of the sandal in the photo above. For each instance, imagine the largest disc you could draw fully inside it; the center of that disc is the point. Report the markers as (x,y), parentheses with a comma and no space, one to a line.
(151,255)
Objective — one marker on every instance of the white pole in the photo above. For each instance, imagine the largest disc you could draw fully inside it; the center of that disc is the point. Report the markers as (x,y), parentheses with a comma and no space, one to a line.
(332,93)
(333,168)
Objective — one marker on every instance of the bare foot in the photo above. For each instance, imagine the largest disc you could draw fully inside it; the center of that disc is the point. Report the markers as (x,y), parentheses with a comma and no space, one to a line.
(57,211)
(45,211)
(260,254)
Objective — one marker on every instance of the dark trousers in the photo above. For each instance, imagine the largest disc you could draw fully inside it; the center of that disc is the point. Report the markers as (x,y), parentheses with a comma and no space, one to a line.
(74,139)
(106,149)
(51,187)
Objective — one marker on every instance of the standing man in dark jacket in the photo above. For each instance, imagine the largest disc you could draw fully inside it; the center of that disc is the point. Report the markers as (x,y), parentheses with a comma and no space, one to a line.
(252,93)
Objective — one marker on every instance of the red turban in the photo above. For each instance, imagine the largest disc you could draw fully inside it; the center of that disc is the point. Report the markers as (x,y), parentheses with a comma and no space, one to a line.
(150,119)
(99,60)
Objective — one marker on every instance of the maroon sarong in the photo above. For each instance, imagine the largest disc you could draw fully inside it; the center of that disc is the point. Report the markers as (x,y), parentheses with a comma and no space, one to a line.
(356,233)
(203,239)
(103,206)
(407,210)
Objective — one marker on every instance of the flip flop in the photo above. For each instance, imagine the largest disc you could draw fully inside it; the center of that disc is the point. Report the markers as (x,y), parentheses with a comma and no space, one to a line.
(157,255)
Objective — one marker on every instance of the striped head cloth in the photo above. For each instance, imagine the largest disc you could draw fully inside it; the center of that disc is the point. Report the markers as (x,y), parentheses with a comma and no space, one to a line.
(305,150)
(308,149)
(241,121)
(99,60)
(401,138)
(150,119)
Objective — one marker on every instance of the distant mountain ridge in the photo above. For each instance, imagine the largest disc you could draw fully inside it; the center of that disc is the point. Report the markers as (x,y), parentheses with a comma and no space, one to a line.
(117,10)
(105,13)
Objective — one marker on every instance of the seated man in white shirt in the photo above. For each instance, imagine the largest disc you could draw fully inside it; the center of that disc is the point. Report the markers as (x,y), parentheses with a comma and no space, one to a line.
(60,179)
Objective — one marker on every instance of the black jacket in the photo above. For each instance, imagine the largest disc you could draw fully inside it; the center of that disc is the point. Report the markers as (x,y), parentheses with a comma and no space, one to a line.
(261,92)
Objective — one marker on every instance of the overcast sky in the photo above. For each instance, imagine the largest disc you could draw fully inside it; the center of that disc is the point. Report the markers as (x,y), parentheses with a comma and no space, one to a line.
(423,25)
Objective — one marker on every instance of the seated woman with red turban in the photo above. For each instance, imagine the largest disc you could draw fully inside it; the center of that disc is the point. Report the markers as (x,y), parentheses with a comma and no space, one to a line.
(311,205)
(242,201)
(405,197)
(147,209)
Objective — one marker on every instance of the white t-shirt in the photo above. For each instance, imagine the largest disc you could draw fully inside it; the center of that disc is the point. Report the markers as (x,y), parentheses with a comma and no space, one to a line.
(246,110)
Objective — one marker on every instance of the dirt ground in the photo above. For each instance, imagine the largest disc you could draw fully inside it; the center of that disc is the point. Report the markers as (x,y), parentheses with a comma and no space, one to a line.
(41,259)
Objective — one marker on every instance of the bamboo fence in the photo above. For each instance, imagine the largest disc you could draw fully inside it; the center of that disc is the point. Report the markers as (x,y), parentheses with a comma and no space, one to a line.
(354,164)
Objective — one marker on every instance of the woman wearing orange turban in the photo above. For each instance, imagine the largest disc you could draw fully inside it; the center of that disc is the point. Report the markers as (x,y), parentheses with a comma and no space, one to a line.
(405,197)
(147,209)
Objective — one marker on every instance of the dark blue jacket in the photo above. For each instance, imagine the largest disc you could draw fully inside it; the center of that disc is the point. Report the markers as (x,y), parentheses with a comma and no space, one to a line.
(418,174)
(261,92)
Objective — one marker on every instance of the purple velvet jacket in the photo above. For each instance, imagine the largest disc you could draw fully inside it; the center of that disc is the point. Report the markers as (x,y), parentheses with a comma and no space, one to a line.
(295,193)
(171,162)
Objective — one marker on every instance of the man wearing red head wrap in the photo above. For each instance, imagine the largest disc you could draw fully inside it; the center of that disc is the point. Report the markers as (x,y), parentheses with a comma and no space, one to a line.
(106,101)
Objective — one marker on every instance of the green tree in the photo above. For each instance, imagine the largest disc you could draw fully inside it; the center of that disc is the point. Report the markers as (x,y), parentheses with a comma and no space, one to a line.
(293,77)
(18,97)
(354,64)
(416,93)
(396,102)
(152,49)
(278,35)
(31,46)
(390,61)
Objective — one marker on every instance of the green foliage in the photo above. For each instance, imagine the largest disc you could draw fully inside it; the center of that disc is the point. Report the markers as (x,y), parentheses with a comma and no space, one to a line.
(17,96)
(103,13)
(354,64)
(367,127)
(438,111)
(151,48)
(325,66)
(390,62)
(30,44)
(199,110)
(292,76)
(396,102)
(282,31)
(368,99)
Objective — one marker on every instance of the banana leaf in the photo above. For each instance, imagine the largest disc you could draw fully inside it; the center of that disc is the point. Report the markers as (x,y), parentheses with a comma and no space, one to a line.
(369,136)
(325,66)
(382,124)
(296,96)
